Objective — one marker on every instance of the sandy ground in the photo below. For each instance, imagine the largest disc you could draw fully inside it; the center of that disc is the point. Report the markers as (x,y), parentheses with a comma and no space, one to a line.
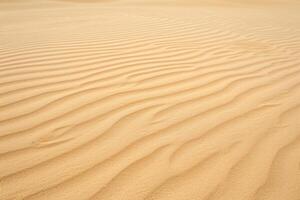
(149,100)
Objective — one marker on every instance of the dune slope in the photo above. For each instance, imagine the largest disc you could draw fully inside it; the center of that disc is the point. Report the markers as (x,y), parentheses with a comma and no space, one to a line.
(152,100)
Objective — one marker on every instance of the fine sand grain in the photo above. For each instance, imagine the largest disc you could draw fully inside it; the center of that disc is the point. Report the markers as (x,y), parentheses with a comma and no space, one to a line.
(149,100)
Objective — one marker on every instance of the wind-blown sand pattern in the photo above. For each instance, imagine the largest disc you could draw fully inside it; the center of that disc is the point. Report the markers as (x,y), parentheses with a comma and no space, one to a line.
(149,100)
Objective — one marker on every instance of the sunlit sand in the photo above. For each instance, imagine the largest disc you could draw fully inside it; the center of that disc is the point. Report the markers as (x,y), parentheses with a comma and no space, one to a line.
(149,100)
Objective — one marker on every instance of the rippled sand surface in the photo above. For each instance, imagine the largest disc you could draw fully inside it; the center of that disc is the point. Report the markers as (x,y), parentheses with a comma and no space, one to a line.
(149,100)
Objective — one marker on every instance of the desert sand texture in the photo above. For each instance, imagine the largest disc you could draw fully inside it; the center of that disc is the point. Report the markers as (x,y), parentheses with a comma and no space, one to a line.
(149,100)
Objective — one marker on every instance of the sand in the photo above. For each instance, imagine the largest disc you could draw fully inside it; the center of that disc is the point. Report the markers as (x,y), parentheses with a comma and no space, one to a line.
(149,100)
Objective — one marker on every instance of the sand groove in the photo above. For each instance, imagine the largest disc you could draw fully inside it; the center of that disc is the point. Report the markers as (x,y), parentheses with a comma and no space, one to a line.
(173,100)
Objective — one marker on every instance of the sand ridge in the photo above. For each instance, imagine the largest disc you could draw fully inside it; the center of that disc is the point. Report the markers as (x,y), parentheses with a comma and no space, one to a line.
(123,100)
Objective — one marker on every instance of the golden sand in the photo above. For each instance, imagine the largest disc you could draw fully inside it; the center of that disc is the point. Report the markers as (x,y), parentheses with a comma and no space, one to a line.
(149,100)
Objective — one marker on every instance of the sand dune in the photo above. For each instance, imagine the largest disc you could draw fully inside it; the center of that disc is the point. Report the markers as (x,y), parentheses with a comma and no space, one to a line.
(149,100)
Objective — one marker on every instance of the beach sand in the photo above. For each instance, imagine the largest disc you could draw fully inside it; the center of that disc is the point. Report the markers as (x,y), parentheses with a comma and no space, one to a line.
(149,100)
